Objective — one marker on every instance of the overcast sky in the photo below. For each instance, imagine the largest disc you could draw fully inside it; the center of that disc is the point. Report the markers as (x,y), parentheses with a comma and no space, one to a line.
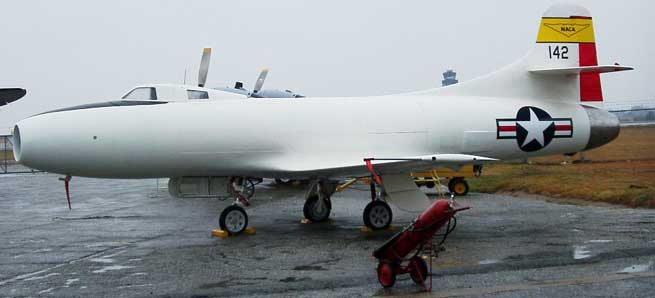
(71,52)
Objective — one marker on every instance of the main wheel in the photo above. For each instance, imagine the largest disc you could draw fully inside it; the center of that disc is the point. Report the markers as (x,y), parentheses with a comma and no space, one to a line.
(418,265)
(233,219)
(377,215)
(316,211)
(458,186)
(386,274)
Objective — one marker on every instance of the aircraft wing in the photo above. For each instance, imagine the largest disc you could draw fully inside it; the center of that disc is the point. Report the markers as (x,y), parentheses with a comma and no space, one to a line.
(392,173)
(382,165)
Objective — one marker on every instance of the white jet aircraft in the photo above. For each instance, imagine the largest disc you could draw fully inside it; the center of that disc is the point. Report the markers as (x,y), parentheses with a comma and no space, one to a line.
(542,104)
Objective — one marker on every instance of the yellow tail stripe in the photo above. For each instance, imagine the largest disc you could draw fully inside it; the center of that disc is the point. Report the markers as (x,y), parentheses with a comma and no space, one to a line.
(566,30)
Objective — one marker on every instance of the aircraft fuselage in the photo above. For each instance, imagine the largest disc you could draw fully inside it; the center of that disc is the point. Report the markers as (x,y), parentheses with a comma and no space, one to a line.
(276,138)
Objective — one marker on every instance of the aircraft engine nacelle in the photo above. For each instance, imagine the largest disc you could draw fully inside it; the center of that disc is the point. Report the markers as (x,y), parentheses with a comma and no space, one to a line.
(181,187)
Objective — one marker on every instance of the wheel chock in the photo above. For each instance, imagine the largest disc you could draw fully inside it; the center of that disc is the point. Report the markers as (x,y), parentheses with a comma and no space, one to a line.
(220,233)
(306,221)
(224,234)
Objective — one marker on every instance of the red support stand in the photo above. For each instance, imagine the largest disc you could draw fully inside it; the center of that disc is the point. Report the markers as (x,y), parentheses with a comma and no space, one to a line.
(67,180)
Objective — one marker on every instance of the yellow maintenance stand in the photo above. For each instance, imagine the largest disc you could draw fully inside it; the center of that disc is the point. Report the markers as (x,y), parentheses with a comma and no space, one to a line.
(457,184)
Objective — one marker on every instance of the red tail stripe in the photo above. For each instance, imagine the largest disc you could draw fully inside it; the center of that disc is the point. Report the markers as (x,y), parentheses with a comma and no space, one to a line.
(590,89)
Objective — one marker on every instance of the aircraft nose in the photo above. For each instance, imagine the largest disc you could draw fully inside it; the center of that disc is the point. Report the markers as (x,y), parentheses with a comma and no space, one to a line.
(604,127)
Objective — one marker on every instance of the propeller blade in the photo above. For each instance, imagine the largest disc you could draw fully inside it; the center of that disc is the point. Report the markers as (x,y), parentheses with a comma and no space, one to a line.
(260,80)
(204,66)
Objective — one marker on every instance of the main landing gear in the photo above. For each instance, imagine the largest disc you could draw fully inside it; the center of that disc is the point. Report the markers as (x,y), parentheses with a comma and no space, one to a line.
(377,214)
(318,205)
(234,218)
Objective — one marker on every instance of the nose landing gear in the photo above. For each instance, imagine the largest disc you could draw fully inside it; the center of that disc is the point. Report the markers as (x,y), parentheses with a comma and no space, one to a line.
(234,219)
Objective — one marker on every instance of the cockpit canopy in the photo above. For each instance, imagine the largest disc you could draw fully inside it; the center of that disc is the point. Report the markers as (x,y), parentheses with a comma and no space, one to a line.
(172,92)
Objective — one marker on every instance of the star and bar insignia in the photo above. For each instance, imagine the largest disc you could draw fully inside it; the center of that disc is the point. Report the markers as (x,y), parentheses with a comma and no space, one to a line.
(533,128)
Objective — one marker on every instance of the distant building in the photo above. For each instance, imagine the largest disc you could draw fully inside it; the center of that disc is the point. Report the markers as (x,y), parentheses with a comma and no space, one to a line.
(449,78)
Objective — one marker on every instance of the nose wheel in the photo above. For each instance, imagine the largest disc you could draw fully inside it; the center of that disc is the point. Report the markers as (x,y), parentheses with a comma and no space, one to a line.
(233,219)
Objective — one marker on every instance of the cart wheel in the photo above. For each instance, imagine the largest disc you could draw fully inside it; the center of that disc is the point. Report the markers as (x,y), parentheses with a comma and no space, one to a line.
(429,184)
(316,212)
(458,186)
(418,265)
(377,215)
(386,274)
(233,219)
(248,188)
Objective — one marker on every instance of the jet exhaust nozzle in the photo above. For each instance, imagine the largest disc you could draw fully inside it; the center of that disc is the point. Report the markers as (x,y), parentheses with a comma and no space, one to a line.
(604,127)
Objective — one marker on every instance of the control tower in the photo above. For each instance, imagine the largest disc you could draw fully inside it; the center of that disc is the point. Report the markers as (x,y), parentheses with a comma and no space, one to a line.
(449,78)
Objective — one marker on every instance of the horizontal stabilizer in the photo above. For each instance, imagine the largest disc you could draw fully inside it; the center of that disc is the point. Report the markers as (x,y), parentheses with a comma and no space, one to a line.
(581,69)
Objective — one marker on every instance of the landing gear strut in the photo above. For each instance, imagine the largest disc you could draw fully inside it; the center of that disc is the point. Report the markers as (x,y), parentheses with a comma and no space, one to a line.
(318,206)
(234,218)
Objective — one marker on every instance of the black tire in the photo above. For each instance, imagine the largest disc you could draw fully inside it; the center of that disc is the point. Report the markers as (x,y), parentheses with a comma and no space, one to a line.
(418,263)
(386,274)
(429,184)
(458,186)
(377,215)
(312,213)
(282,181)
(233,219)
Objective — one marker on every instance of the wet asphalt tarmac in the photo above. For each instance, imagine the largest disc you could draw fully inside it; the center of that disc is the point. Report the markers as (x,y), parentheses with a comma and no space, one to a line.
(131,239)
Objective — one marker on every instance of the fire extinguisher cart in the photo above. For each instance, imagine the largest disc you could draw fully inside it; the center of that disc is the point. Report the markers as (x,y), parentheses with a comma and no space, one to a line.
(392,254)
